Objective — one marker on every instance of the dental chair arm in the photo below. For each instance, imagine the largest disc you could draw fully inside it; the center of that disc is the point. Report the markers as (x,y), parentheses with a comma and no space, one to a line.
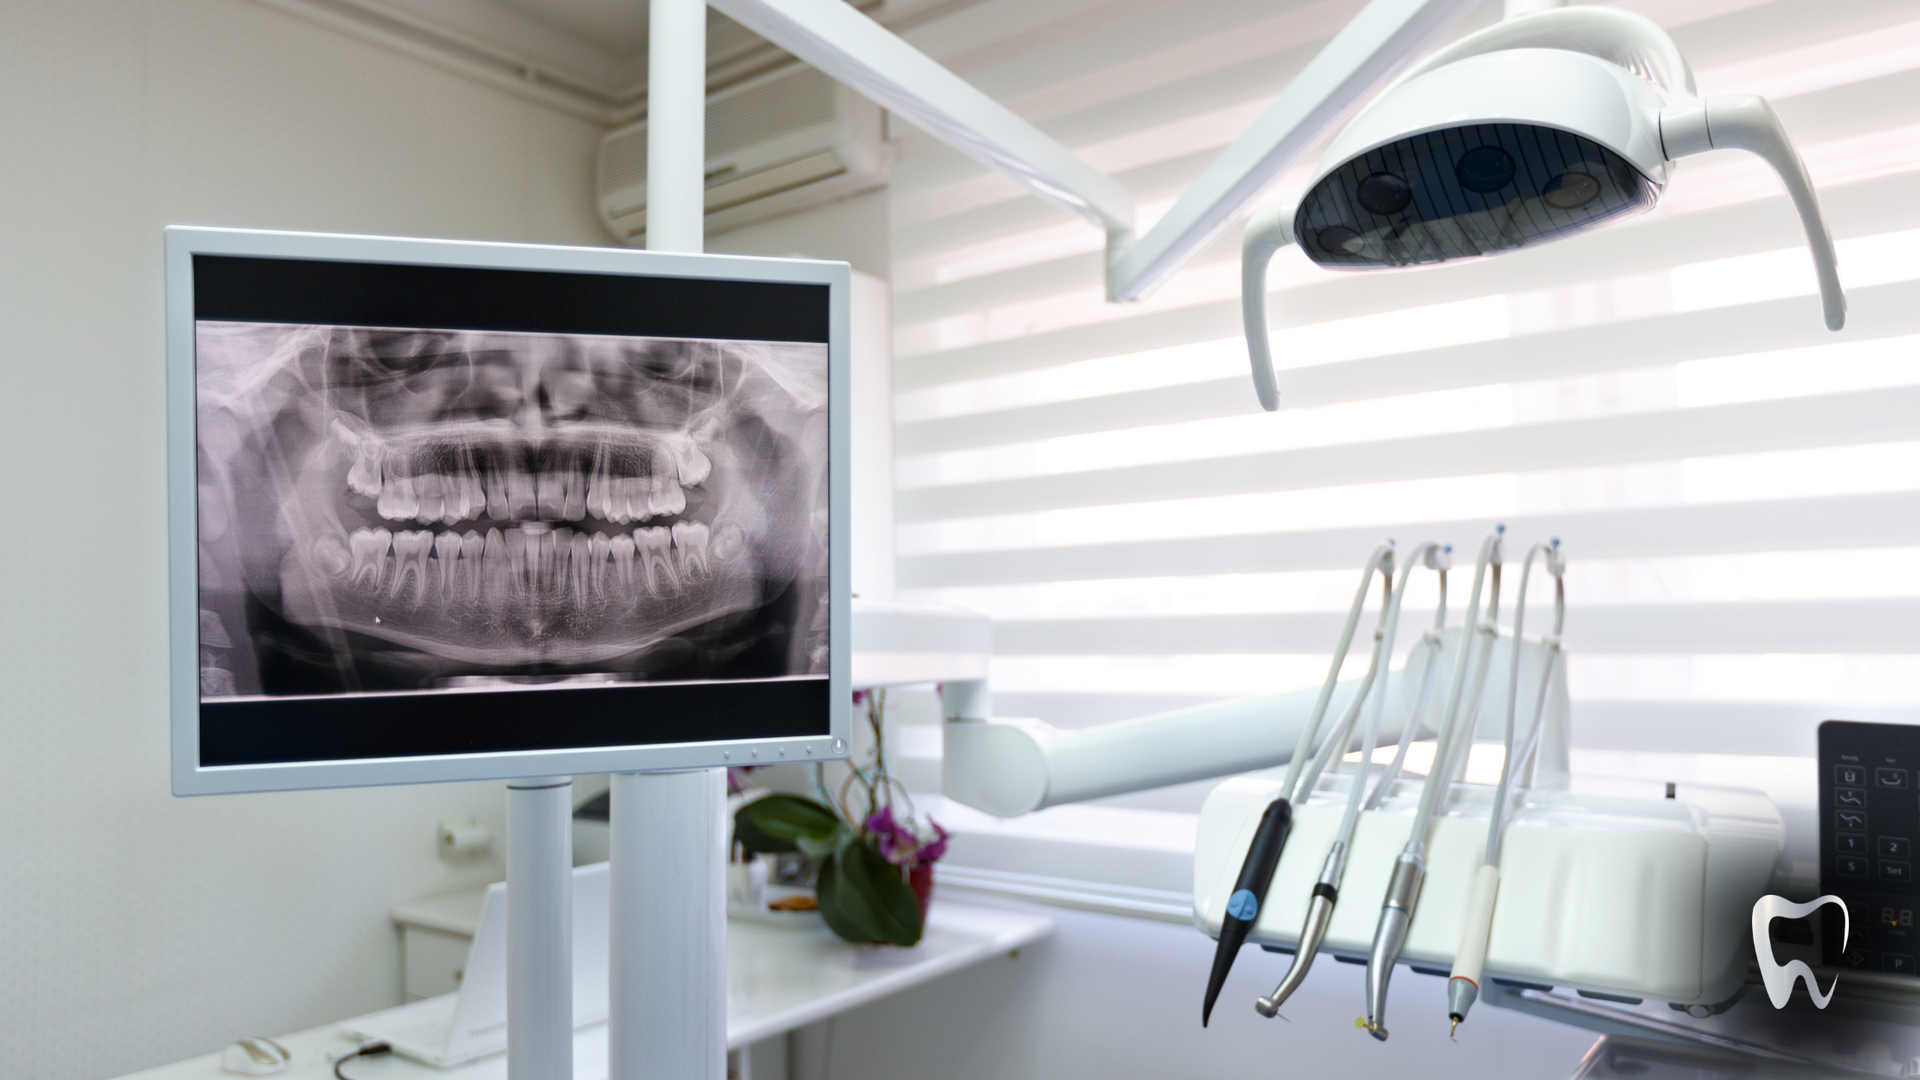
(1747,122)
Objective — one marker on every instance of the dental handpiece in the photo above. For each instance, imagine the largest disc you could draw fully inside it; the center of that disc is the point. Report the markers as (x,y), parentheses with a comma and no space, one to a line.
(1409,870)
(1269,840)
(1326,890)
(1463,982)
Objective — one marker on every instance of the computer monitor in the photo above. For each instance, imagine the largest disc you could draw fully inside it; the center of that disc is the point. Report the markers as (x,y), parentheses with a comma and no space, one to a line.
(452,511)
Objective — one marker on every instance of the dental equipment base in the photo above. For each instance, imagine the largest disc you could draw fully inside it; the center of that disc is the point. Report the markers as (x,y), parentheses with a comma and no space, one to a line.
(780,978)
(1639,897)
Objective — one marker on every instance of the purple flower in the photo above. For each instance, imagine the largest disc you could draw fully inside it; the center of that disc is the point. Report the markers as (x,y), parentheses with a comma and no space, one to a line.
(899,844)
(938,847)
(859,696)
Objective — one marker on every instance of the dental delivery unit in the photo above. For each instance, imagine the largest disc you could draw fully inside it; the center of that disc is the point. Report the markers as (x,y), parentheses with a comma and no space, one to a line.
(1601,886)
(1551,123)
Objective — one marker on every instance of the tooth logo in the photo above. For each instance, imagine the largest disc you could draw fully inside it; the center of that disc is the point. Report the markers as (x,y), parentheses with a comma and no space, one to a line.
(1779,978)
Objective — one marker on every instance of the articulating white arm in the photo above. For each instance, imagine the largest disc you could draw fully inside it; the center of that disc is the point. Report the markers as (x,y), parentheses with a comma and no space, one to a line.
(1747,122)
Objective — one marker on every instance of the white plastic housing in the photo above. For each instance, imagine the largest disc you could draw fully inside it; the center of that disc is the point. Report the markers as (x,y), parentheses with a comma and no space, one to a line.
(1555,88)
(1633,896)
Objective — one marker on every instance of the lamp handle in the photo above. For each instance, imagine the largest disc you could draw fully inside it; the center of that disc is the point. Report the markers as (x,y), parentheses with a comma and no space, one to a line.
(1747,122)
(1267,232)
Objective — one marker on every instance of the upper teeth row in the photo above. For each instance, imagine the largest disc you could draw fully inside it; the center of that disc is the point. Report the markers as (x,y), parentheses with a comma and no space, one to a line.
(513,495)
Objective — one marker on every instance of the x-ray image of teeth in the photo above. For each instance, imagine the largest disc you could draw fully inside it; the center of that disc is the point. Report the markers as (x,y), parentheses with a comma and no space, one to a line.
(386,510)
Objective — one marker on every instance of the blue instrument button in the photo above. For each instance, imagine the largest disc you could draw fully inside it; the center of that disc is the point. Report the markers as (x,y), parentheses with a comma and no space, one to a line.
(1243,905)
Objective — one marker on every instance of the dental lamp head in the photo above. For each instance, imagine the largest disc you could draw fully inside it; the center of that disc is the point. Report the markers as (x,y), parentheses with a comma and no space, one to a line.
(1544,126)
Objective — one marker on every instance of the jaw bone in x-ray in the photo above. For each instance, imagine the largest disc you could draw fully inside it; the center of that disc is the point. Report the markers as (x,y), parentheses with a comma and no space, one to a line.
(418,509)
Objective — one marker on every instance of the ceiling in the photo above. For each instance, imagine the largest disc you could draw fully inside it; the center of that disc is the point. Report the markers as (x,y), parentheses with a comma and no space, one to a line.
(588,57)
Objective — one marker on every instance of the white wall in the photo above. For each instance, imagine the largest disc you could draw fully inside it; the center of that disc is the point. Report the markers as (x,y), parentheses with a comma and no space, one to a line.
(136,928)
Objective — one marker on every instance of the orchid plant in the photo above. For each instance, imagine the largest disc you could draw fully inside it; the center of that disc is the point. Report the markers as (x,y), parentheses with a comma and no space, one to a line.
(875,861)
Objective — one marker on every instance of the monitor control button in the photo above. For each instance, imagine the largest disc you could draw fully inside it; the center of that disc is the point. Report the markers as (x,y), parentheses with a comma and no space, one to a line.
(1891,778)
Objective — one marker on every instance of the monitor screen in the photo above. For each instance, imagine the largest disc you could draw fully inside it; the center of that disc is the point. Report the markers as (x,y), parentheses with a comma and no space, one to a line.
(485,517)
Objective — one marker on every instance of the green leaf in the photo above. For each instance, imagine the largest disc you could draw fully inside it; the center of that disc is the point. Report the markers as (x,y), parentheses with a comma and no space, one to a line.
(780,823)
(865,898)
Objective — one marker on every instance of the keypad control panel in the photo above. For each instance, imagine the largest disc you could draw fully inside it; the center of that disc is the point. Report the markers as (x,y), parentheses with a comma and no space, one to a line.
(1869,821)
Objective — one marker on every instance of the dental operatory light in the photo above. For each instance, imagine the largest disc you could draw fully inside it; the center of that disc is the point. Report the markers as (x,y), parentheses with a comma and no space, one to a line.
(1547,125)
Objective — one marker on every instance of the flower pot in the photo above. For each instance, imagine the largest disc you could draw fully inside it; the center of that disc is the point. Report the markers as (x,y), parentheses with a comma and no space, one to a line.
(920,880)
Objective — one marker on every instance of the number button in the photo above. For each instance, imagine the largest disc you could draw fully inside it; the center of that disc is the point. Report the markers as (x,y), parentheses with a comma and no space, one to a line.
(1852,866)
(1850,775)
(1850,796)
(1851,843)
(1895,847)
(1896,870)
(1893,778)
(1851,820)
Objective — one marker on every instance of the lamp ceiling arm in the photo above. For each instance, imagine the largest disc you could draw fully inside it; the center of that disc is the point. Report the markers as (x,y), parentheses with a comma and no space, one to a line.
(853,49)
(1367,54)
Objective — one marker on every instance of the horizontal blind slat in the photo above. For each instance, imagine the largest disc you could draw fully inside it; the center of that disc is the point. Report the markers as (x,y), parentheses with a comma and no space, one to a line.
(1875,311)
(1836,522)
(1847,419)
(1875,626)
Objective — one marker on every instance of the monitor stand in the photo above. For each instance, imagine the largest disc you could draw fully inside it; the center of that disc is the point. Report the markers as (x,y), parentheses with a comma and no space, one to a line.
(540,928)
(667,1000)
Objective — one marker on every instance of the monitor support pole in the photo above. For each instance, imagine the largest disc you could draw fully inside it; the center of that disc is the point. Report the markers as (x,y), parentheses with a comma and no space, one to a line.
(668,902)
(540,928)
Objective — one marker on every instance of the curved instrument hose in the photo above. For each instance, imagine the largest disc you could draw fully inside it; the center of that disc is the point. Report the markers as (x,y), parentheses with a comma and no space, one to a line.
(1304,745)
(1429,640)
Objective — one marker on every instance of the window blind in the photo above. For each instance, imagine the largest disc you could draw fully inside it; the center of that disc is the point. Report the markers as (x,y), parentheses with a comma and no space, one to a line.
(1737,488)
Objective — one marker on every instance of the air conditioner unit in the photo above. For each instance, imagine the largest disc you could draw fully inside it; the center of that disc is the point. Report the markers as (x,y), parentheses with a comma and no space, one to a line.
(776,144)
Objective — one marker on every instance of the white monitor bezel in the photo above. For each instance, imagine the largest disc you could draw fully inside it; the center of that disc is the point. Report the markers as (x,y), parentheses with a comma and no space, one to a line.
(191,778)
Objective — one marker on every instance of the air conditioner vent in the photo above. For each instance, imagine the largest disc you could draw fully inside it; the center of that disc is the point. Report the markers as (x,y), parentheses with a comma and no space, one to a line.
(790,140)
(802,99)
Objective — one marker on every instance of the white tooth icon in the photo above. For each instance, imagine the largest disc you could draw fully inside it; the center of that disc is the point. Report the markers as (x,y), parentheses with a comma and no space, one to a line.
(690,541)
(622,550)
(655,548)
(410,551)
(446,554)
(368,548)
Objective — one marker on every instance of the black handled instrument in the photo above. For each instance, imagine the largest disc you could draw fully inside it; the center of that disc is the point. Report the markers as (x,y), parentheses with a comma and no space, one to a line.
(1243,907)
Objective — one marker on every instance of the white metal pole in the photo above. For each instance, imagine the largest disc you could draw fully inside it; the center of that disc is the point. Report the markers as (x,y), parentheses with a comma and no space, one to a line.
(668,998)
(676,125)
(540,929)
(669,926)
